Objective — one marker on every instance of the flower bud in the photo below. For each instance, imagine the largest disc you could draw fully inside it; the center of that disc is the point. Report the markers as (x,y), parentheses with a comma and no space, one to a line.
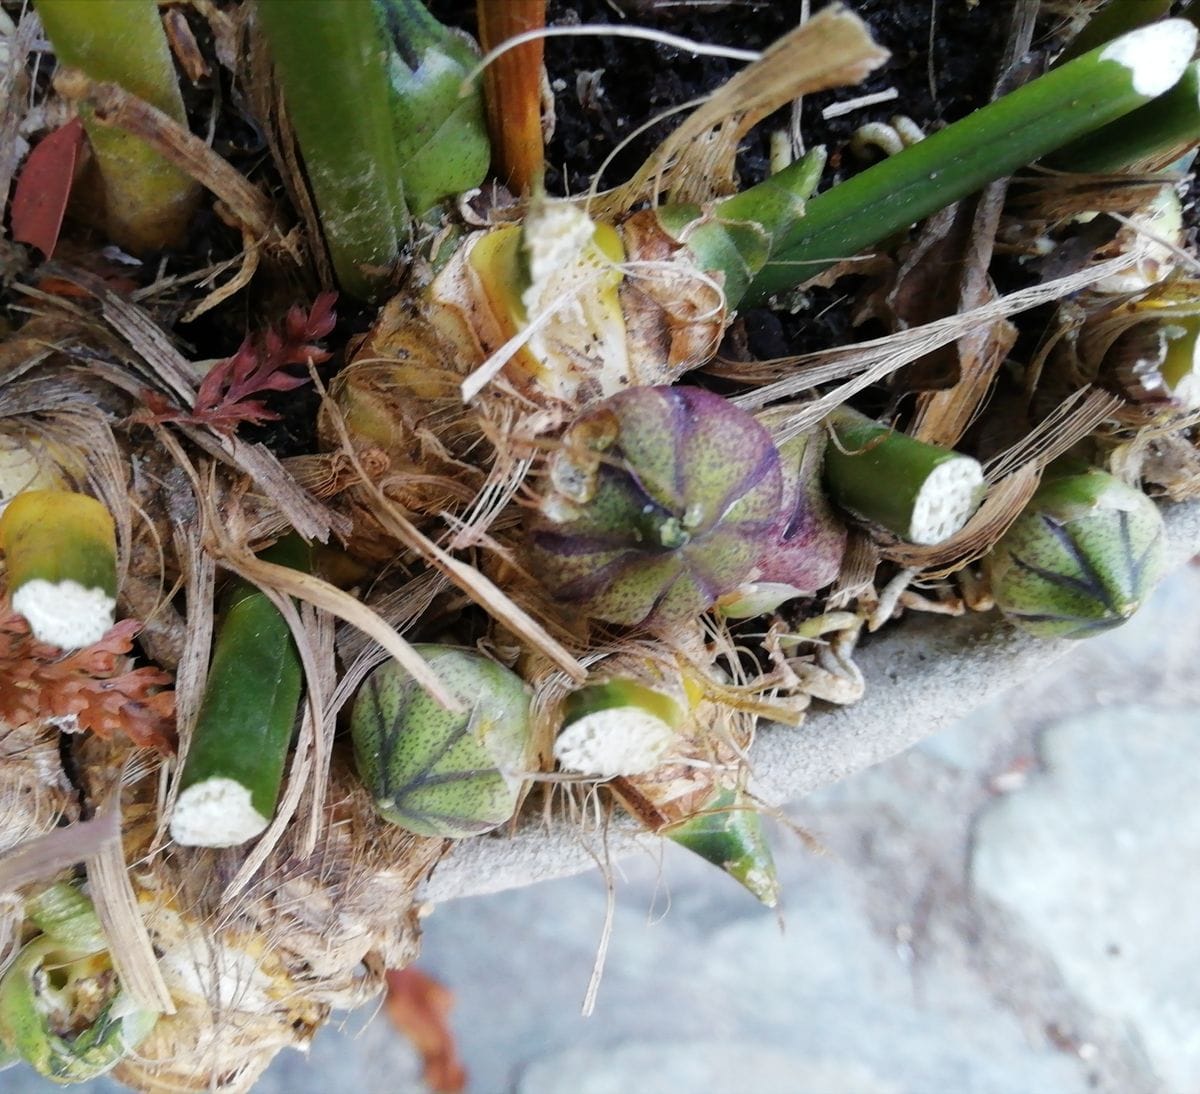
(434,771)
(1080,559)
(806,551)
(661,501)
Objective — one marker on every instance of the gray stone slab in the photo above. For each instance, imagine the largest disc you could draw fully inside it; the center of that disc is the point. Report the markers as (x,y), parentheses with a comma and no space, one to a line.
(1095,861)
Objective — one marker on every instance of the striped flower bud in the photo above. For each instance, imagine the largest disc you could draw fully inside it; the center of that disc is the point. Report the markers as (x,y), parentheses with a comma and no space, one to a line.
(434,771)
(661,501)
(1082,557)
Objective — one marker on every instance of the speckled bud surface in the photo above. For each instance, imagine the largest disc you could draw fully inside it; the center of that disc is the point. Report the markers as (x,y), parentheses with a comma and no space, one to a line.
(661,501)
(434,771)
(1081,559)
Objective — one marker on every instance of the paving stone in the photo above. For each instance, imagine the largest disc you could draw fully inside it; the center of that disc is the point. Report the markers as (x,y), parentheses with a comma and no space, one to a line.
(669,1068)
(1095,863)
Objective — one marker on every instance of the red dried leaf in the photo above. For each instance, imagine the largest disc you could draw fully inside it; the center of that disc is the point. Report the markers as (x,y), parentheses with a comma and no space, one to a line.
(92,689)
(419,1007)
(224,399)
(44,187)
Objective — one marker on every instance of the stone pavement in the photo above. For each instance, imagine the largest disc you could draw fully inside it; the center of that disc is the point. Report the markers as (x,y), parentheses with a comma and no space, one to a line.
(1011,908)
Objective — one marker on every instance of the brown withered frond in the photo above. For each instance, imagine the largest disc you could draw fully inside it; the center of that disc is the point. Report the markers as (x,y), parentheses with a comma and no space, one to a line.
(92,689)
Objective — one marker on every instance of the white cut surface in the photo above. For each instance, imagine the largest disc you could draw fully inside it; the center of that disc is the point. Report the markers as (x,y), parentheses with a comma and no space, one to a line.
(617,741)
(577,327)
(64,613)
(1152,239)
(946,500)
(1155,55)
(215,813)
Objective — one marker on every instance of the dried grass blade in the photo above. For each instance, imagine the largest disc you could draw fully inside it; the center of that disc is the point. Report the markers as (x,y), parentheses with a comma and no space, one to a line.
(400,608)
(1070,422)
(479,588)
(143,336)
(44,856)
(696,162)
(112,105)
(116,906)
(199,571)
(870,362)
(302,511)
(268,575)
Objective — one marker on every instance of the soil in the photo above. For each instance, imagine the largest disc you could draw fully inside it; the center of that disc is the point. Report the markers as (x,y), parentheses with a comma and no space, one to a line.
(943,66)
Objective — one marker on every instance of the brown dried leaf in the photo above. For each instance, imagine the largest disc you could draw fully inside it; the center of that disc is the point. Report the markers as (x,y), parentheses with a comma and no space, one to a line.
(419,1007)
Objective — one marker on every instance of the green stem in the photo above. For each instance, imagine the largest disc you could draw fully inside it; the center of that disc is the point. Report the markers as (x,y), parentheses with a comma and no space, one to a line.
(1161,129)
(921,492)
(737,236)
(994,141)
(330,62)
(147,200)
(1117,17)
(441,136)
(234,768)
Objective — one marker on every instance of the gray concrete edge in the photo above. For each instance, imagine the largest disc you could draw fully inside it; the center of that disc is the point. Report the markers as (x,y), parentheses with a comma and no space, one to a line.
(921,677)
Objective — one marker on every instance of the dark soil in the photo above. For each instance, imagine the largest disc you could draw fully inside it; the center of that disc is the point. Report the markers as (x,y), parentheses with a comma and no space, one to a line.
(943,66)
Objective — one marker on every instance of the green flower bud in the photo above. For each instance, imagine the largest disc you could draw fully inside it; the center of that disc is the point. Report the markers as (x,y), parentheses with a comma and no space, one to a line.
(662,500)
(435,772)
(1080,559)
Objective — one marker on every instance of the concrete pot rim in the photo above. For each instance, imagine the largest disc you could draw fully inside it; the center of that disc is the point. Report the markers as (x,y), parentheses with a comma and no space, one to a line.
(921,677)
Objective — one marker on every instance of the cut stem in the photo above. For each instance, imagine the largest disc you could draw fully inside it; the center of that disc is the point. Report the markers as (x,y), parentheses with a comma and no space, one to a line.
(921,492)
(234,767)
(330,61)
(513,90)
(617,727)
(1151,137)
(147,201)
(61,552)
(994,141)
